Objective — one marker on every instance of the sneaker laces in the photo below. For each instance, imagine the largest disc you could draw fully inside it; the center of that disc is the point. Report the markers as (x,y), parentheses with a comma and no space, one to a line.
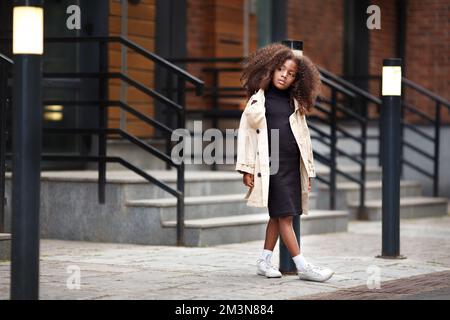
(270,266)
(314,269)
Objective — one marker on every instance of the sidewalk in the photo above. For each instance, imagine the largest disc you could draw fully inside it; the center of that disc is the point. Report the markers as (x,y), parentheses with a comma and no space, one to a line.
(116,271)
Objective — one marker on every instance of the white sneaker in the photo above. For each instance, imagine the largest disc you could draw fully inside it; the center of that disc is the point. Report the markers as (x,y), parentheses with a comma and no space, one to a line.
(264,268)
(315,273)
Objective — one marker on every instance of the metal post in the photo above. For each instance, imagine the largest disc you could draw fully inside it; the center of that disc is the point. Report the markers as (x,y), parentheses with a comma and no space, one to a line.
(333,153)
(26,164)
(168,115)
(180,170)
(3,87)
(362,194)
(215,106)
(124,61)
(437,141)
(390,116)
(287,265)
(402,136)
(102,118)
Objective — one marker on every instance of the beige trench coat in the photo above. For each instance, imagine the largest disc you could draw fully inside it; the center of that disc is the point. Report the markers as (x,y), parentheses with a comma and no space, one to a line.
(253,150)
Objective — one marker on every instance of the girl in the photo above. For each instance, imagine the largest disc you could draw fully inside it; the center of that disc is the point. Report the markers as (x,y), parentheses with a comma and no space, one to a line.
(282,86)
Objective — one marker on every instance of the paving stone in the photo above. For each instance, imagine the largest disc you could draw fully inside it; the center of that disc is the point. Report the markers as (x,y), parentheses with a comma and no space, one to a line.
(120,271)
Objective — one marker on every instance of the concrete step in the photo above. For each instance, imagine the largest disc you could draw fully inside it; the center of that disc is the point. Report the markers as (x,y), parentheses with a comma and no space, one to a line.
(197,183)
(200,207)
(134,187)
(5,246)
(373,172)
(252,227)
(347,192)
(410,208)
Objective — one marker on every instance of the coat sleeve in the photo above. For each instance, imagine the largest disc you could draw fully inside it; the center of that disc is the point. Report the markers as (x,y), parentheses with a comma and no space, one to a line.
(245,161)
(312,169)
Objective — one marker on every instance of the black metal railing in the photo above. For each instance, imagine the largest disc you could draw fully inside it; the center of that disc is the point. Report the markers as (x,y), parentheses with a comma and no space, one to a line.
(432,117)
(341,90)
(438,103)
(176,106)
(5,69)
(329,108)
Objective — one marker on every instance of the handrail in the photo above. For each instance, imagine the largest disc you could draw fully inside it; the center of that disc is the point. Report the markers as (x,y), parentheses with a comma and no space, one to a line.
(337,87)
(5,63)
(116,103)
(177,104)
(115,159)
(137,48)
(116,75)
(4,58)
(120,132)
(350,86)
(426,92)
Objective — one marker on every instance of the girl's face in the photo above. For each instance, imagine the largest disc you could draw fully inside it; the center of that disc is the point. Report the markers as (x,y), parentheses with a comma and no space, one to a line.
(284,76)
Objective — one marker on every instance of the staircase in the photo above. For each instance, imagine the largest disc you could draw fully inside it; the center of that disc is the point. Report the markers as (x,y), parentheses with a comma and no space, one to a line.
(141,213)
(413,204)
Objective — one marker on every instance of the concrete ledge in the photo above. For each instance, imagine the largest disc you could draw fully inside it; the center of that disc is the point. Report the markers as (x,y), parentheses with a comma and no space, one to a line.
(251,227)
(410,208)
(348,192)
(374,184)
(196,200)
(126,176)
(172,202)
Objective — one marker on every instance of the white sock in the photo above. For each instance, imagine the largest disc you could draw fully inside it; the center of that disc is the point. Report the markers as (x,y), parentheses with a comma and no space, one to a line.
(300,262)
(266,255)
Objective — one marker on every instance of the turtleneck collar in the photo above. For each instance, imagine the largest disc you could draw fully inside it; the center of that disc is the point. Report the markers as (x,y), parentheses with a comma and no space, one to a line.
(272,90)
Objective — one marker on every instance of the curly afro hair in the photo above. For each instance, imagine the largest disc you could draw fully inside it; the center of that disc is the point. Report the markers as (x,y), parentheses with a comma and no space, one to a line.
(259,67)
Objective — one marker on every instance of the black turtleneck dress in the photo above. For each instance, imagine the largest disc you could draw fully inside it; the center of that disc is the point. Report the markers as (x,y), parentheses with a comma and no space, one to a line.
(284,183)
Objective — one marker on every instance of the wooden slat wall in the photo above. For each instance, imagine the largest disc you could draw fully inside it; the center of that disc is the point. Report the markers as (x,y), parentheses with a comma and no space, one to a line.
(141,30)
(215,29)
(229,42)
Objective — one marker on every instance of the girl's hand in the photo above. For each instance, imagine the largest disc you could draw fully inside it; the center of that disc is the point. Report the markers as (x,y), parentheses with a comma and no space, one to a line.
(309,186)
(248,179)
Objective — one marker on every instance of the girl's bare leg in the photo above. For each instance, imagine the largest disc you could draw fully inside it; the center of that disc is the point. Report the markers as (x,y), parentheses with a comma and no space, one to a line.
(271,234)
(288,235)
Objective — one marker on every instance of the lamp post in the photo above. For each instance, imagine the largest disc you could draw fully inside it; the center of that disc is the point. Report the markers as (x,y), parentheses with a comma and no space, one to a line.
(287,265)
(28,28)
(390,118)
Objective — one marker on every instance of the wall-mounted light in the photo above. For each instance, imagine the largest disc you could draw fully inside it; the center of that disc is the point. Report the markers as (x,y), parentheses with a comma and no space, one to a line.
(392,77)
(28,30)
(53,113)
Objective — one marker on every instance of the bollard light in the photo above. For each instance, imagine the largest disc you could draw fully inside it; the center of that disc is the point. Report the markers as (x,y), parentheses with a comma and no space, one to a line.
(390,148)
(392,77)
(28,30)
(295,45)
(28,18)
